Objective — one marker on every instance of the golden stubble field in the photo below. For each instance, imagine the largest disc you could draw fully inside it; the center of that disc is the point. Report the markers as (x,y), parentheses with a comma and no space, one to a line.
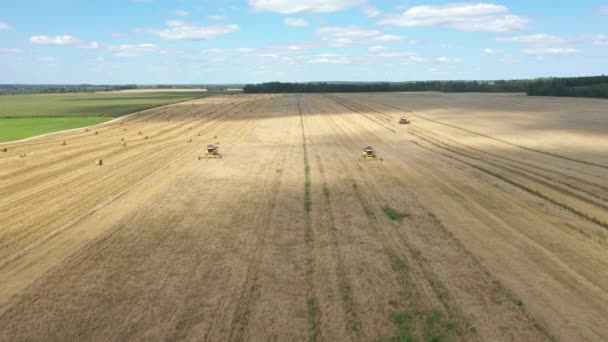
(486,221)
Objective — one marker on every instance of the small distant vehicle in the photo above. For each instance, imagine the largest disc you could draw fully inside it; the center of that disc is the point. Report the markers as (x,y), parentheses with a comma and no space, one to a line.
(369,154)
(404,121)
(212,152)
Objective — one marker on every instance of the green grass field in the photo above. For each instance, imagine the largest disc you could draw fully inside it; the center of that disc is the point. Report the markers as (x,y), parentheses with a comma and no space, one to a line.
(20,128)
(23,116)
(89,104)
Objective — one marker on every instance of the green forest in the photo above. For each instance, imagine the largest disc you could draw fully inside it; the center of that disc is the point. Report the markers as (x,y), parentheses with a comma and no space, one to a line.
(596,86)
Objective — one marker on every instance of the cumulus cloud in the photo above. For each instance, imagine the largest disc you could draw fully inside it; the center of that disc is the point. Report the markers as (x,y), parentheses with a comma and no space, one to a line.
(444,59)
(371,11)
(301,6)
(479,17)
(329,59)
(490,51)
(375,49)
(130,50)
(218,17)
(181,31)
(65,40)
(5,26)
(353,35)
(539,39)
(9,51)
(599,40)
(549,51)
(295,22)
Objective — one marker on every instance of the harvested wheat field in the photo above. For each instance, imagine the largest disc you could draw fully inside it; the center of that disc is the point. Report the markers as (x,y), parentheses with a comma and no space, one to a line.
(487,220)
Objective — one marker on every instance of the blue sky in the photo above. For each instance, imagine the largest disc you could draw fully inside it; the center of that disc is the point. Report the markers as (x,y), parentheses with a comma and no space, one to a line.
(226,41)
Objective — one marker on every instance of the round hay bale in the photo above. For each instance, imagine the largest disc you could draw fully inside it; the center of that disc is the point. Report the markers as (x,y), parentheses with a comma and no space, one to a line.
(63,143)
(5,149)
(99,162)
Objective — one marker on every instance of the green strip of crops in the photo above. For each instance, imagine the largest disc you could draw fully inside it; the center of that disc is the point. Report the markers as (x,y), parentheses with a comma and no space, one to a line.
(20,128)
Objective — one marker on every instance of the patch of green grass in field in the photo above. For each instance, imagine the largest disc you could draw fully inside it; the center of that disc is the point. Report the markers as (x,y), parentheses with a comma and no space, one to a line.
(20,128)
(86,104)
(393,214)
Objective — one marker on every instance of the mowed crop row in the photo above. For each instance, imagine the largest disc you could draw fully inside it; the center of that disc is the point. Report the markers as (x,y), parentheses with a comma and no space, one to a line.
(461,233)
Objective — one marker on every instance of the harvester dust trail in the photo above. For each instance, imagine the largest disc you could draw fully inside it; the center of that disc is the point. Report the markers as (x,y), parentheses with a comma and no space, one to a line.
(483,219)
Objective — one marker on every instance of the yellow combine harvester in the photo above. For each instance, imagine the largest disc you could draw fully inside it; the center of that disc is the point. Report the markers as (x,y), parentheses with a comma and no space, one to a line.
(212,152)
(369,154)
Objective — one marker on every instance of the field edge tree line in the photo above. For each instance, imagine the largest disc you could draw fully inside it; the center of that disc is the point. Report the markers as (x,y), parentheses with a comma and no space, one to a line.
(594,86)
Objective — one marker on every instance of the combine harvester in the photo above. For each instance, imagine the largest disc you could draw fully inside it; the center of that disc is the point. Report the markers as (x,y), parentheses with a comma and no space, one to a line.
(369,154)
(211,152)
(404,121)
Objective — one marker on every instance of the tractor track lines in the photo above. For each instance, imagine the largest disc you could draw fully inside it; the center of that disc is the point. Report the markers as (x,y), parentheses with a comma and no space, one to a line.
(521,164)
(387,237)
(146,161)
(545,180)
(527,189)
(250,289)
(419,263)
(309,238)
(341,103)
(497,139)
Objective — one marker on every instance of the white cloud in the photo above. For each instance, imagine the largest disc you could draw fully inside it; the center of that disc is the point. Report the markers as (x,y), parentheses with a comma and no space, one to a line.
(64,41)
(329,59)
(57,40)
(5,26)
(413,59)
(353,35)
(375,49)
(474,17)
(540,39)
(181,13)
(295,22)
(490,51)
(190,32)
(217,17)
(129,50)
(175,23)
(549,51)
(301,6)
(371,11)
(603,10)
(444,59)
(9,51)
(600,40)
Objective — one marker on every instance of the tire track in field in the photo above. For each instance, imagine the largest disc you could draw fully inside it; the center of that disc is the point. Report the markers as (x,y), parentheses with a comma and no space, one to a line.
(312,305)
(391,252)
(61,158)
(147,163)
(341,103)
(525,188)
(484,280)
(158,140)
(523,166)
(545,180)
(555,155)
(250,290)
(416,262)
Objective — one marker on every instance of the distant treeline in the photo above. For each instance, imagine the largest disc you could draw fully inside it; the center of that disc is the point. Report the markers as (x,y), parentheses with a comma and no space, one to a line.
(16,89)
(579,87)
